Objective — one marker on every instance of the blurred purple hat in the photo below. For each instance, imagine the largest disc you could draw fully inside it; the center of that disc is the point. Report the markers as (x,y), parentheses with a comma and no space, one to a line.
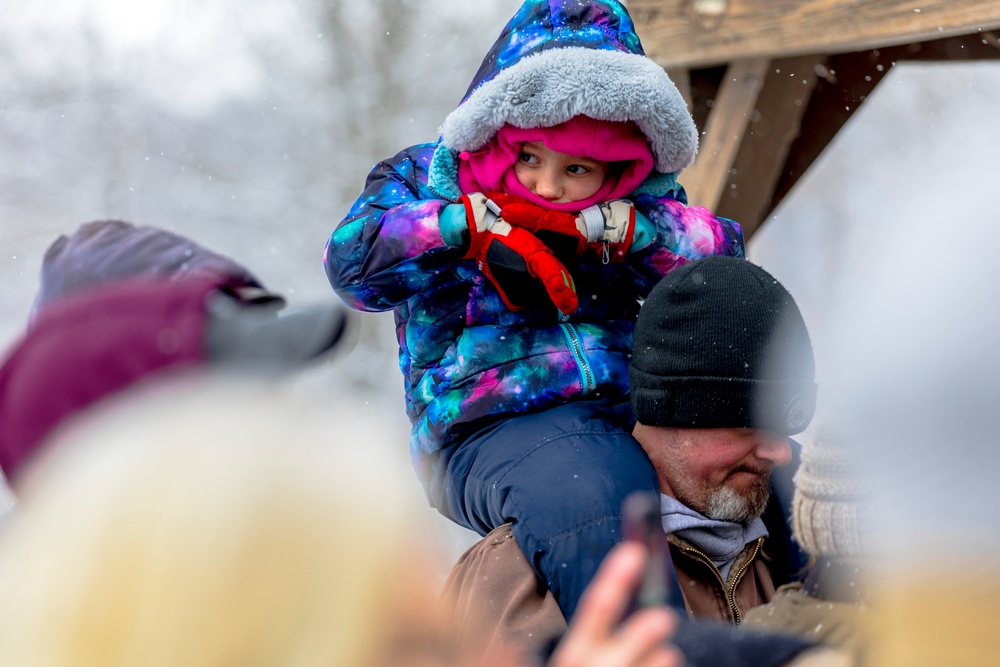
(121,304)
(106,250)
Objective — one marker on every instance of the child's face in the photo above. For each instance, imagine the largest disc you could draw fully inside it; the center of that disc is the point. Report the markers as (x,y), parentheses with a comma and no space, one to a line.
(558,177)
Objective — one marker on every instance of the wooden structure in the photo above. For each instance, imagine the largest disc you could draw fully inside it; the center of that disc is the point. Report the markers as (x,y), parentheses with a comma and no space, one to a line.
(771,82)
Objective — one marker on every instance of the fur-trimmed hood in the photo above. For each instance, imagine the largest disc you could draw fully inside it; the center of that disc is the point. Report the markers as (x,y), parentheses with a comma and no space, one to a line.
(556,59)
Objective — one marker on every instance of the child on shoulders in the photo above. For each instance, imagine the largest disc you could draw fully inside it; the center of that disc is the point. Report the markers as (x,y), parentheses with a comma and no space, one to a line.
(515,252)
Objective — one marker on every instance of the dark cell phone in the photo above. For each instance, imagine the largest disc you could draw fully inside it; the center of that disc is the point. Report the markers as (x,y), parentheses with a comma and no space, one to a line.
(641,522)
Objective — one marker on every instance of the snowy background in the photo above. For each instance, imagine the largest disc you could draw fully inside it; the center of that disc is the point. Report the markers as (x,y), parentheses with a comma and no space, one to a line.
(250,127)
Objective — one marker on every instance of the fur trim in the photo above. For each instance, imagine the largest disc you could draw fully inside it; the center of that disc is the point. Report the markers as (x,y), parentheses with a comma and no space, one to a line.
(552,86)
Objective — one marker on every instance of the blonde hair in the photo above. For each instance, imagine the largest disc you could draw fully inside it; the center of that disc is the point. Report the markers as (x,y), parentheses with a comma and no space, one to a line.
(225,527)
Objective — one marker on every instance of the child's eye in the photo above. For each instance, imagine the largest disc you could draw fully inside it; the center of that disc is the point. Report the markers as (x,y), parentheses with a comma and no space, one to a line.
(578,169)
(527,158)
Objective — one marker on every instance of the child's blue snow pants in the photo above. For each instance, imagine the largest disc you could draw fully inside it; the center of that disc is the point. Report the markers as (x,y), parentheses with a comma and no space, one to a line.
(560,476)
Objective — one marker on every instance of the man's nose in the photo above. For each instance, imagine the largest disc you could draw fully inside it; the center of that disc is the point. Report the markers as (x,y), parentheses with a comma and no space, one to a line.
(773,447)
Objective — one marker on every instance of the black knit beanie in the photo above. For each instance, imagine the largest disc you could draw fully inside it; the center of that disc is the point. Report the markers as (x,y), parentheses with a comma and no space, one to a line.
(720,343)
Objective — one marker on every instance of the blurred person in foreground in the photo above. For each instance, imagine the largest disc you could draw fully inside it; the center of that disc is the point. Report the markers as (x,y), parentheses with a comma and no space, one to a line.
(173,522)
(119,305)
(916,384)
(834,521)
(213,524)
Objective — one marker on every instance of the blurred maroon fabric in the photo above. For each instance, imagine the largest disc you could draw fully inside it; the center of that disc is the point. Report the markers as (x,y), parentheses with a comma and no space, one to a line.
(89,345)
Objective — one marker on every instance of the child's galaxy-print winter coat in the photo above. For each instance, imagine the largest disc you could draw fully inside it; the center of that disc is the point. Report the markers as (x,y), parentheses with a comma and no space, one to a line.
(466,358)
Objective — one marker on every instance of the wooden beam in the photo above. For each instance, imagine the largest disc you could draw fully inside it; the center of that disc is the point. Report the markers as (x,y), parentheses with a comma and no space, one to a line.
(698,33)
(724,131)
(977,46)
(848,80)
(845,82)
(774,125)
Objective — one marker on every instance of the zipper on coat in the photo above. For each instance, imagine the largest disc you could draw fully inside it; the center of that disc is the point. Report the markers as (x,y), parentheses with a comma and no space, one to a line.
(730,590)
(586,372)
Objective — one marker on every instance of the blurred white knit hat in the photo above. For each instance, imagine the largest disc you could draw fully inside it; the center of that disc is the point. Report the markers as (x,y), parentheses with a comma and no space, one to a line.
(832,514)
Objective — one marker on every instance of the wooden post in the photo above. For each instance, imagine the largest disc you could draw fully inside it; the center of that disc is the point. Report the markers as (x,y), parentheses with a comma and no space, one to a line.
(724,131)
(788,86)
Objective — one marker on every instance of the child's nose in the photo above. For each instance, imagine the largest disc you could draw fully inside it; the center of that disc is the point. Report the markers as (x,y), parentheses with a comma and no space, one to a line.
(547,187)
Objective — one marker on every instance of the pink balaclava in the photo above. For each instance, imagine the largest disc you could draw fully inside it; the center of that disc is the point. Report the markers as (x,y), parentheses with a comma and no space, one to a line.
(490,169)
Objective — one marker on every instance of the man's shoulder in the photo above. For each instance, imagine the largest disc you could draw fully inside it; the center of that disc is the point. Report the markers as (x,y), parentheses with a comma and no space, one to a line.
(495,562)
(495,599)
(495,540)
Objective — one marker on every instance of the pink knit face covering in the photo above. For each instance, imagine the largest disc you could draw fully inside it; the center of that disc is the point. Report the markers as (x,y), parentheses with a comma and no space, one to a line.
(491,167)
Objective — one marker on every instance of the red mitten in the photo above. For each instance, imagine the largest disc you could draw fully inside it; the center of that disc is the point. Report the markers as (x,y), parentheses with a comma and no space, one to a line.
(605,229)
(537,219)
(502,252)
(481,213)
(512,247)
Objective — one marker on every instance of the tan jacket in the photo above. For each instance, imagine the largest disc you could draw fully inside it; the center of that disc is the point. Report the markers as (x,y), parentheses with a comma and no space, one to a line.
(837,624)
(706,595)
(496,600)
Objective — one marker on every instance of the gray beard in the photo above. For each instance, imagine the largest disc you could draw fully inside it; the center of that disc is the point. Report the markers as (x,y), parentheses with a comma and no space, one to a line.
(726,505)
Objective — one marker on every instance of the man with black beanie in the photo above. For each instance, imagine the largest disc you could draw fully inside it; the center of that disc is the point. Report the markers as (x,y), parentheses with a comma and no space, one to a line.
(722,373)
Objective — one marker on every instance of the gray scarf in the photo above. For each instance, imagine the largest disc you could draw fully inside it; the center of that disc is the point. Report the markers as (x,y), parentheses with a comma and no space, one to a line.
(721,541)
